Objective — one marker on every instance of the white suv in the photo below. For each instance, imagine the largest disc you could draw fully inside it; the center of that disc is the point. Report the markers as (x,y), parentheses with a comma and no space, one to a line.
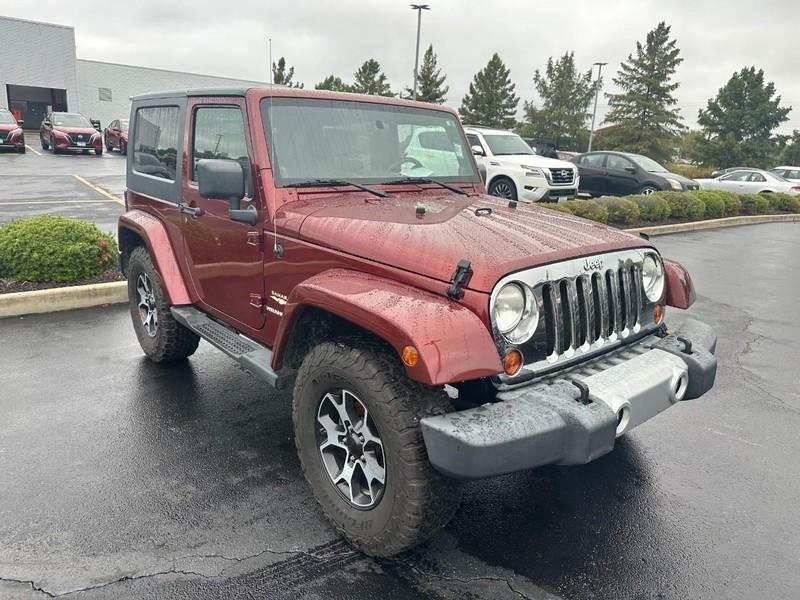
(516,172)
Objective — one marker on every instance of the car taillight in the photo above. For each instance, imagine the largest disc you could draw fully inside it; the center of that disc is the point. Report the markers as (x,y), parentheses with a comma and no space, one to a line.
(796,188)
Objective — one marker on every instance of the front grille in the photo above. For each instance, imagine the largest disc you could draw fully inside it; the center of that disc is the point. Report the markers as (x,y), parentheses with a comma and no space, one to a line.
(591,309)
(74,138)
(562,176)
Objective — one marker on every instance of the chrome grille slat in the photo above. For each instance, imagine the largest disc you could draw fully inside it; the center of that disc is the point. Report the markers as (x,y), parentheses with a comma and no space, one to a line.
(637,292)
(616,308)
(588,298)
(602,294)
(558,319)
(627,293)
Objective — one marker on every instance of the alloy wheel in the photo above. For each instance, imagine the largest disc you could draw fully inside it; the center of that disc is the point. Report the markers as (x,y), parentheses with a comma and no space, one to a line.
(502,189)
(351,449)
(147,304)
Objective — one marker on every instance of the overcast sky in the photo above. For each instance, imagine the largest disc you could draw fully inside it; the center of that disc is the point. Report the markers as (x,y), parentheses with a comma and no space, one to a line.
(320,37)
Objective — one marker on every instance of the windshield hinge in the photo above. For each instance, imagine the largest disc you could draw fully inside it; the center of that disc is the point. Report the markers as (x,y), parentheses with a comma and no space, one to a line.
(254,238)
(257,301)
(460,279)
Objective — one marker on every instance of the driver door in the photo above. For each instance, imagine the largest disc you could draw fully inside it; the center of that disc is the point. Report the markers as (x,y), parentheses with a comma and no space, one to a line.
(224,257)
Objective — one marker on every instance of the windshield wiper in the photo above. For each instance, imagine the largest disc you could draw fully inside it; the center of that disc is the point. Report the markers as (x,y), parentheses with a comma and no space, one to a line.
(336,182)
(452,188)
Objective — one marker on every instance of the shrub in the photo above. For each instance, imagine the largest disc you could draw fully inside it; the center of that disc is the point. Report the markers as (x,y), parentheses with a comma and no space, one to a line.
(683,205)
(651,208)
(620,210)
(754,204)
(54,249)
(560,206)
(732,203)
(589,209)
(783,203)
(714,203)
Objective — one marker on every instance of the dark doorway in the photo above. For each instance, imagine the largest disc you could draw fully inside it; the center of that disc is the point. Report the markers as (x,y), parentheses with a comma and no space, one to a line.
(33,103)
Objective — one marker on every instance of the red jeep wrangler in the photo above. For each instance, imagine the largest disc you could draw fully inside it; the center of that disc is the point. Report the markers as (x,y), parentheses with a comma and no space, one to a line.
(343,246)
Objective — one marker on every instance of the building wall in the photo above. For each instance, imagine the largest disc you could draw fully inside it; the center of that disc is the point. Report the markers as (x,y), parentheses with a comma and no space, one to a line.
(37,54)
(125,81)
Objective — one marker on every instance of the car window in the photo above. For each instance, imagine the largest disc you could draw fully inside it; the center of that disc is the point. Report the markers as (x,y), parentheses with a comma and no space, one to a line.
(155,150)
(795,174)
(6,118)
(506,144)
(474,140)
(758,177)
(219,133)
(617,163)
(71,120)
(593,160)
(736,176)
(112,125)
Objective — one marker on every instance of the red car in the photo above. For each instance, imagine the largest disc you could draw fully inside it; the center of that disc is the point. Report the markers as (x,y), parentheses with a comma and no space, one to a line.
(11,135)
(116,136)
(62,131)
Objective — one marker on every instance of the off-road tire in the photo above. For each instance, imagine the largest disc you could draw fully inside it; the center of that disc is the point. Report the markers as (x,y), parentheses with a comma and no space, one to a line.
(417,500)
(172,340)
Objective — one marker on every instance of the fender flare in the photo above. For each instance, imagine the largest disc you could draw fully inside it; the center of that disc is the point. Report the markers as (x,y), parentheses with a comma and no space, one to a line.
(680,288)
(156,239)
(453,343)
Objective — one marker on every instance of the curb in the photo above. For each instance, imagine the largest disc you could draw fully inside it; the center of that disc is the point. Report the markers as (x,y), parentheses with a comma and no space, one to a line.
(715,224)
(63,298)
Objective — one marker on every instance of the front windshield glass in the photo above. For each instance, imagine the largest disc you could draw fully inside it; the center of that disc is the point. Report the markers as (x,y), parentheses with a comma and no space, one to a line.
(6,118)
(69,120)
(648,164)
(362,142)
(507,144)
(123,124)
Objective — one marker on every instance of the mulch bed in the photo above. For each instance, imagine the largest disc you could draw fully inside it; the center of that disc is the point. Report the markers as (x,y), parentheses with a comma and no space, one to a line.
(8,286)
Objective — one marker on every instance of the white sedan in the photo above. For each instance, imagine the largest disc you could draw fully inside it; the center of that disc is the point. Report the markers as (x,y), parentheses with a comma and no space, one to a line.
(788,173)
(750,181)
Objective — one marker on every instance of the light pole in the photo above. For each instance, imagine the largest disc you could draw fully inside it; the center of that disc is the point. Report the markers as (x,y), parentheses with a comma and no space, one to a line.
(600,66)
(271,74)
(419,8)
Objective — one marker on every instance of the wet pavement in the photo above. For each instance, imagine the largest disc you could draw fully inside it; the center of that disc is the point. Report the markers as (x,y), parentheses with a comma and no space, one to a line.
(124,479)
(69,185)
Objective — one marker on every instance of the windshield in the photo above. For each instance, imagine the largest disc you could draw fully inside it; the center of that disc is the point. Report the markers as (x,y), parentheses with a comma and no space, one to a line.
(68,120)
(6,118)
(648,164)
(362,142)
(505,144)
(123,124)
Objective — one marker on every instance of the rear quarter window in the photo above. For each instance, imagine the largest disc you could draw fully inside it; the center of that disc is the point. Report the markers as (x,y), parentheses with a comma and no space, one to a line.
(155,148)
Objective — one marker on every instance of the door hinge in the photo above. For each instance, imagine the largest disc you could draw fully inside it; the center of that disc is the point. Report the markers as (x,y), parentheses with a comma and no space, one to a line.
(254,238)
(257,301)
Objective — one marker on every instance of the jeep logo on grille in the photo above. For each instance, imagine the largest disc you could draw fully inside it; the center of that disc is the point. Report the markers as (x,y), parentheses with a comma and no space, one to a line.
(593,264)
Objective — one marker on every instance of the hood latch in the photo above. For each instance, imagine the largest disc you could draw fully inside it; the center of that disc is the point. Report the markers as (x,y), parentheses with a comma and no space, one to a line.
(460,279)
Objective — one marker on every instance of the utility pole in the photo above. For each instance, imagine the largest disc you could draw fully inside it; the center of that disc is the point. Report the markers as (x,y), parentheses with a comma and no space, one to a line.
(419,8)
(271,74)
(600,66)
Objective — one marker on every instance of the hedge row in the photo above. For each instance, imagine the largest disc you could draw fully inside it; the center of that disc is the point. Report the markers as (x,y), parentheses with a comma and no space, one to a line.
(54,249)
(678,206)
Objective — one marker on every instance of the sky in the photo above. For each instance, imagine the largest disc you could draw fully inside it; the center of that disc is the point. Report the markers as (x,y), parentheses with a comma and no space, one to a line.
(322,37)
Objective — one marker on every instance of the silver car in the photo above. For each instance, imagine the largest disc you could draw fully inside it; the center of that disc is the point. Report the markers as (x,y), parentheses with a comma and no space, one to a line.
(750,181)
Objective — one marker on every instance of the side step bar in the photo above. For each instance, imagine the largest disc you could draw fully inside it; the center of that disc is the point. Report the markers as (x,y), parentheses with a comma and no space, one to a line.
(250,355)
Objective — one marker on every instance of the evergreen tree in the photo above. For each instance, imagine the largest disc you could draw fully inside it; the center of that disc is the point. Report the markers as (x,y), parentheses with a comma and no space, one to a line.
(369,79)
(430,82)
(644,111)
(790,155)
(334,84)
(283,77)
(738,123)
(491,100)
(566,95)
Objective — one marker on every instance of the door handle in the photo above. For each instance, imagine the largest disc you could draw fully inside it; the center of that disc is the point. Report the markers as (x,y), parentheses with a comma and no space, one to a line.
(188,209)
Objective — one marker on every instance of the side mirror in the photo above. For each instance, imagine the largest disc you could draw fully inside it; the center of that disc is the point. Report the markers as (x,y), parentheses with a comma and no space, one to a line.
(95,124)
(478,150)
(224,179)
(21,123)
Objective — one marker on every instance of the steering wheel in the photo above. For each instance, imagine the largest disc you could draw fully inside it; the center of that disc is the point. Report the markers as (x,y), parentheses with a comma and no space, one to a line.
(406,159)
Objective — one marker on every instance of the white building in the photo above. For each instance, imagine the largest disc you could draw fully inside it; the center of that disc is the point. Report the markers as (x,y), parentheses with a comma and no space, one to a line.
(40,71)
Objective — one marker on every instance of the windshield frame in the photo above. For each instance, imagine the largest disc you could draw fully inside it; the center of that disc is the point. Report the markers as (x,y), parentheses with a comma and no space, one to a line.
(266,103)
(87,126)
(10,115)
(486,137)
(644,160)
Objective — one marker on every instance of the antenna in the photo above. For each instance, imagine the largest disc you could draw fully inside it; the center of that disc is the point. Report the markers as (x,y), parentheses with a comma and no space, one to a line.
(271,74)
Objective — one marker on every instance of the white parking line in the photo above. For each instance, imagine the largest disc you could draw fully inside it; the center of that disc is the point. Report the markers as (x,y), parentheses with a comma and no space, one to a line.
(36,152)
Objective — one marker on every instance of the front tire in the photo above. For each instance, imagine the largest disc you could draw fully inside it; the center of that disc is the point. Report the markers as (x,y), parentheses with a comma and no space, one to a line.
(161,337)
(648,189)
(98,151)
(45,145)
(503,187)
(356,419)
(21,150)
(123,148)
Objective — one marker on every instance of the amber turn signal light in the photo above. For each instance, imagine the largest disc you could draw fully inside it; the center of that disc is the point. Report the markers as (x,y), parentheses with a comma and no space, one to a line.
(658,314)
(512,362)
(410,356)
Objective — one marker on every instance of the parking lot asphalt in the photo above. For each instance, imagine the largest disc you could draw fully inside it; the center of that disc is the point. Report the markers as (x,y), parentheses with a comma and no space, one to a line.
(83,186)
(124,479)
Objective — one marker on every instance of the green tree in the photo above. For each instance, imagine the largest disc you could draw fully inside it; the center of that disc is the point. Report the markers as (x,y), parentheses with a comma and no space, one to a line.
(738,123)
(689,145)
(790,155)
(369,79)
(566,95)
(644,110)
(430,83)
(491,100)
(334,84)
(283,77)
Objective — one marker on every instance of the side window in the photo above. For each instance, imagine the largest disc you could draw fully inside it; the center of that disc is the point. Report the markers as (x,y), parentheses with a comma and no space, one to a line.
(113,125)
(617,163)
(474,140)
(155,150)
(219,133)
(793,175)
(757,177)
(736,176)
(593,160)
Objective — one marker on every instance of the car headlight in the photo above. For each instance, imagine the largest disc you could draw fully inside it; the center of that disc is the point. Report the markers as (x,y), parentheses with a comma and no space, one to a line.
(674,184)
(515,312)
(653,277)
(536,171)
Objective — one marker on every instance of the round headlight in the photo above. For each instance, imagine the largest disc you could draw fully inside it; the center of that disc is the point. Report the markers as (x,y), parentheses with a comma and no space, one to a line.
(653,277)
(508,307)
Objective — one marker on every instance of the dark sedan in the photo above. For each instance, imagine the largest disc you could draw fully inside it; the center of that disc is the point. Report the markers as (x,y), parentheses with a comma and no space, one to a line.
(621,173)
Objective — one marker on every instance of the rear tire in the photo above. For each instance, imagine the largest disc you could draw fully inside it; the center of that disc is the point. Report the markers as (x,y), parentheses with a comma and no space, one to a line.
(161,337)
(503,187)
(45,145)
(123,148)
(414,500)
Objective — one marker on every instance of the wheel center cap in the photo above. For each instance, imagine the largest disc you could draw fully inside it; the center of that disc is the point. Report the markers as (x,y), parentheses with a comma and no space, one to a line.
(354,445)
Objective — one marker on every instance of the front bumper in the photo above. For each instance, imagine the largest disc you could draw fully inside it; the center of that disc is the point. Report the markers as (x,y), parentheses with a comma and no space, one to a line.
(575,416)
